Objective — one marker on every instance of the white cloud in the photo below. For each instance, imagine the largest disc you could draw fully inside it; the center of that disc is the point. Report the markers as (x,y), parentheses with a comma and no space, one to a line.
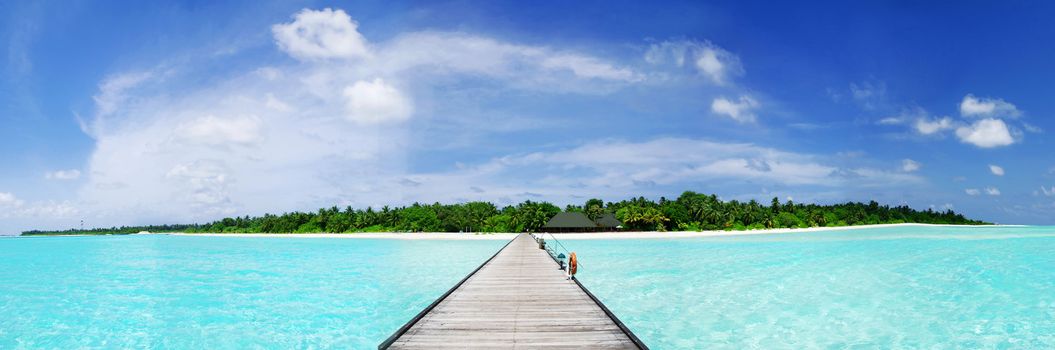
(214,130)
(716,64)
(71,174)
(909,165)
(321,34)
(527,66)
(972,191)
(1048,191)
(1032,128)
(710,64)
(992,191)
(112,90)
(972,106)
(926,126)
(920,122)
(13,207)
(670,160)
(996,170)
(376,102)
(891,121)
(310,132)
(868,95)
(205,184)
(277,104)
(49,210)
(741,110)
(8,200)
(589,67)
(986,133)
(654,167)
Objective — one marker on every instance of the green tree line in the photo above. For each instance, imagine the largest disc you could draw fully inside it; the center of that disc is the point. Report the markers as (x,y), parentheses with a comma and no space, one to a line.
(689,212)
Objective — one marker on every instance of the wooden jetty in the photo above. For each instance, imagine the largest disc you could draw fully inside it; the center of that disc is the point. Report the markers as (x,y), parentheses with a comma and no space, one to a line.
(517,299)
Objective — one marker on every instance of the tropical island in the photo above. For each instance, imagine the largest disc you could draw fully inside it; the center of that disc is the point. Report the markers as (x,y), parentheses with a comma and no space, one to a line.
(691,211)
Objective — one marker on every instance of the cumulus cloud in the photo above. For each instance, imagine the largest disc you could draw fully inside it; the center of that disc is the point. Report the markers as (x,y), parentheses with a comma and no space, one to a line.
(996,170)
(909,165)
(716,64)
(988,129)
(972,106)
(376,102)
(71,174)
(972,191)
(992,191)
(986,133)
(321,34)
(739,110)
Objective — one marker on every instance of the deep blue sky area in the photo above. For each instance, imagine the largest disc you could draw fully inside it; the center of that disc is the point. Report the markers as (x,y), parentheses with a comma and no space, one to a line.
(122,113)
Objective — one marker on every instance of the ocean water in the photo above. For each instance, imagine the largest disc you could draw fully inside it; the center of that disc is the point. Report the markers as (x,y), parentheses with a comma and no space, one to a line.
(887,288)
(177,292)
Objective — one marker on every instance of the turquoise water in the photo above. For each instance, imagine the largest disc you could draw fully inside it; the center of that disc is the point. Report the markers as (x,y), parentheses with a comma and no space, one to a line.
(172,292)
(890,288)
(919,287)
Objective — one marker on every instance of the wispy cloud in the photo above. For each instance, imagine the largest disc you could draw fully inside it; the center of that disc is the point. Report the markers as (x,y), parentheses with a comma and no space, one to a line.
(992,191)
(1048,191)
(71,174)
(909,165)
(715,63)
(337,117)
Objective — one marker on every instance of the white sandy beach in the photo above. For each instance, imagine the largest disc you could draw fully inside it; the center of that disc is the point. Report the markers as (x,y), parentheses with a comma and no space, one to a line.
(370,235)
(589,235)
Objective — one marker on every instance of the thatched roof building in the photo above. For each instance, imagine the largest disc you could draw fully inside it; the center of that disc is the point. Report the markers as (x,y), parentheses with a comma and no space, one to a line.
(608,222)
(570,222)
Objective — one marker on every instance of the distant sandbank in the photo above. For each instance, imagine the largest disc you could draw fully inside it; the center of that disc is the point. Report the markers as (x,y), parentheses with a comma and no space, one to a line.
(589,235)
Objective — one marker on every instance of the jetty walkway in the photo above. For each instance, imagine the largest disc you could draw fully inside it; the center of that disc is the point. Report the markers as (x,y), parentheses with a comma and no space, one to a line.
(517,299)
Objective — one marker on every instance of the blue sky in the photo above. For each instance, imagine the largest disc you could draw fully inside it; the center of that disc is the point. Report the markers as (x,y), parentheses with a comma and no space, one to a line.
(118,113)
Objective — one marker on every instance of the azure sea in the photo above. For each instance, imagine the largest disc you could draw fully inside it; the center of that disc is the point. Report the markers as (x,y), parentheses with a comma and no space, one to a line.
(906,287)
(181,292)
(900,287)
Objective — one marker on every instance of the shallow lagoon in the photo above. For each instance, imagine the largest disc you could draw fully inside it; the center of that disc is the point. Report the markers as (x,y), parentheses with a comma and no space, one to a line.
(901,287)
(181,292)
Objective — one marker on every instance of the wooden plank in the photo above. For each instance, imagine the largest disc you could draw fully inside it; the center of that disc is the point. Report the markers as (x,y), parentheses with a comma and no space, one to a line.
(517,300)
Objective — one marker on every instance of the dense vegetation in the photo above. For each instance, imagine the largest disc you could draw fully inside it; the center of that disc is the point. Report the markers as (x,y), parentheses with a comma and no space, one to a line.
(691,211)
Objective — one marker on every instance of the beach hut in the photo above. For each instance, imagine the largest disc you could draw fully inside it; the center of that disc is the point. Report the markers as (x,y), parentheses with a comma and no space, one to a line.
(608,222)
(570,222)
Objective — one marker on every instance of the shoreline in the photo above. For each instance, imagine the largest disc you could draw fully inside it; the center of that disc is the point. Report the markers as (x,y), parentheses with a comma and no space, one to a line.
(570,236)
